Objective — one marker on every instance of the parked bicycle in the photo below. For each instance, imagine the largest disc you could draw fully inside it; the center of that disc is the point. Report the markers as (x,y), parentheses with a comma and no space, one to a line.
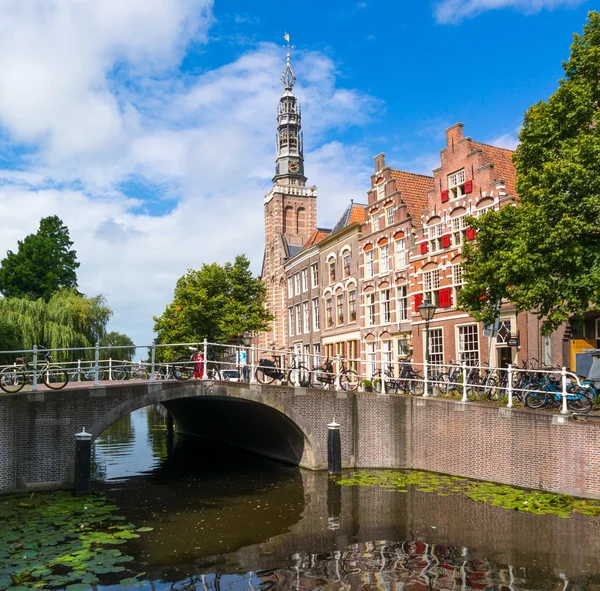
(547,392)
(14,377)
(128,372)
(85,373)
(325,376)
(185,366)
(269,370)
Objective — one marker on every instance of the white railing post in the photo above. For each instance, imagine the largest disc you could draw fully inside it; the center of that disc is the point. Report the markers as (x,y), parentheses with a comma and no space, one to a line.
(464,380)
(296,358)
(383,376)
(510,385)
(79,370)
(34,385)
(110,369)
(338,383)
(253,365)
(564,410)
(426,373)
(205,354)
(96,360)
(152,362)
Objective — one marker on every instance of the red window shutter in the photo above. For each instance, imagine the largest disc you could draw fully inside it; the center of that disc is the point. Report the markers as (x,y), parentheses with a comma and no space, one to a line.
(469,187)
(418,301)
(445,196)
(470,233)
(424,246)
(445,297)
(445,240)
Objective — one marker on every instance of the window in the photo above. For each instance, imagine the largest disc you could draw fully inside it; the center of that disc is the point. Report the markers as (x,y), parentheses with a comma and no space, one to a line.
(317,355)
(315,313)
(436,347)
(352,354)
(456,184)
(332,272)
(305,317)
(352,305)
(380,191)
(290,287)
(503,333)
(468,344)
(371,359)
(370,308)
(386,354)
(347,265)
(375,222)
(314,274)
(435,237)
(546,350)
(369,264)
(458,230)
(298,319)
(329,312)
(389,216)
(431,284)
(386,313)
(384,259)
(400,254)
(403,346)
(291,321)
(304,279)
(297,283)
(402,306)
(485,209)
(457,280)
(340,309)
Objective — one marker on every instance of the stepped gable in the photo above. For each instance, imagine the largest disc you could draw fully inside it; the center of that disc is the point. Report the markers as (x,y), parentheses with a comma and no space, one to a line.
(413,191)
(355,213)
(504,169)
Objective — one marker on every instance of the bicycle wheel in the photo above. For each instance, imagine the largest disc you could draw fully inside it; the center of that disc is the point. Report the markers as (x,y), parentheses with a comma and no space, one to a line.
(349,380)
(439,386)
(579,402)
(264,374)
(491,390)
(212,371)
(299,375)
(416,386)
(183,368)
(12,379)
(536,399)
(318,378)
(55,378)
(118,374)
(75,376)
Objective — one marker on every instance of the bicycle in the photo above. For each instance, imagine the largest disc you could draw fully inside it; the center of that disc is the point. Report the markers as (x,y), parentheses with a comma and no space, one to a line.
(325,376)
(268,371)
(89,373)
(13,378)
(549,393)
(133,372)
(185,366)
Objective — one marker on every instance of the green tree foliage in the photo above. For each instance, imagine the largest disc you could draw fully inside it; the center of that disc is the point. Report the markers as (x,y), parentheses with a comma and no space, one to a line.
(43,264)
(217,302)
(125,351)
(67,320)
(544,255)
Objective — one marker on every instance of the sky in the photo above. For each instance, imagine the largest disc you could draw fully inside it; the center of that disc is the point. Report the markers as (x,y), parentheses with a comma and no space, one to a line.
(148,126)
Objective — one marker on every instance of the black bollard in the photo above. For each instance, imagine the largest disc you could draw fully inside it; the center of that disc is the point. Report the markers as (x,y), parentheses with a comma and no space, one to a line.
(334,449)
(83,462)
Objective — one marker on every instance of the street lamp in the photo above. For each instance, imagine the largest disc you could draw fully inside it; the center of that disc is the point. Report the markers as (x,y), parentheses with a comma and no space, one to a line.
(427,312)
(246,338)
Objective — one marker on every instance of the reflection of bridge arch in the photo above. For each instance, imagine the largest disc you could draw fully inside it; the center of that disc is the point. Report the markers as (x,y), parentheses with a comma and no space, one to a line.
(232,414)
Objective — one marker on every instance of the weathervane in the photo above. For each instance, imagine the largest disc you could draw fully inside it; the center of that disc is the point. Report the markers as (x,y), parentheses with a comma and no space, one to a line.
(288,78)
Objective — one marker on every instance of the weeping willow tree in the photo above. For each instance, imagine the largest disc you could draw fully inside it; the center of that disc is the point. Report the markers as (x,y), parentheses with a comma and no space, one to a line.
(67,320)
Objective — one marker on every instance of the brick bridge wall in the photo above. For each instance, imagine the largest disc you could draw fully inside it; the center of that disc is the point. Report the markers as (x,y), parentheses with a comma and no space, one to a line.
(518,447)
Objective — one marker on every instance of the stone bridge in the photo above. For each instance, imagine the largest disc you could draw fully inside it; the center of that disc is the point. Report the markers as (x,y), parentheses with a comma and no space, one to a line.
(513,446)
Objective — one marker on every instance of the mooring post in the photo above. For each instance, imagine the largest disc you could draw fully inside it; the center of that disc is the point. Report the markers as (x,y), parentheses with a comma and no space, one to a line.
(83,462)
(334,449)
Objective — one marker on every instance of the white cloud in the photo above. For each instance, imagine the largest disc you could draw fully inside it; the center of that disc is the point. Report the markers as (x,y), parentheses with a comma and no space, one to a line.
(507,140)
(92,93)
(455,11)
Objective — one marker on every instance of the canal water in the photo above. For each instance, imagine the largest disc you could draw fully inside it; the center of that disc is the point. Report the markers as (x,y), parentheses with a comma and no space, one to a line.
(227,520)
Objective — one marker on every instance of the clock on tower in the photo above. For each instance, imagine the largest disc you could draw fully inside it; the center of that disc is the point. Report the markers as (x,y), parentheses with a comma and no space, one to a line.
(294,167)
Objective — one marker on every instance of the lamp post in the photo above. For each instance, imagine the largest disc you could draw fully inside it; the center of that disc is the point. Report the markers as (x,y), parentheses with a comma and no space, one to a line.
(427,312)
(247,340)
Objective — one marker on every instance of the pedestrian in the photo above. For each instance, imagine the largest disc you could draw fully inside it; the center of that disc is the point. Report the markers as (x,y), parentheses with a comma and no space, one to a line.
(199,367)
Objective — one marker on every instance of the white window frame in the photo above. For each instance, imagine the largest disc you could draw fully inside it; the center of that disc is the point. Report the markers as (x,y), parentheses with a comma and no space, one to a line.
(402,303)
(304,275)
(436,346)
(375,222)
(380,190)
(291,321)
(370,309)
(298,319)
(339,305)
(345,256)
(464,349)
(350,319)
(389,215)
(401,252)
(327,308)
(435,232)
(371,354)
(369,263)
(290,287)
(315,314)
(385,306)
(456,184)
(459,227)
(306,317)
(458,280)
(297,283)
(384,259)
(431,286)
(317,354)
(314,275)
(387,352)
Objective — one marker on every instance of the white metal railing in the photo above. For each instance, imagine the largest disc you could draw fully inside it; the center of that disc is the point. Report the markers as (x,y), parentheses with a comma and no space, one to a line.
(299,369)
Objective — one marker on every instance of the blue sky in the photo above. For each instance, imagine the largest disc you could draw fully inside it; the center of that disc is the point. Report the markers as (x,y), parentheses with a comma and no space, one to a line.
(148,125)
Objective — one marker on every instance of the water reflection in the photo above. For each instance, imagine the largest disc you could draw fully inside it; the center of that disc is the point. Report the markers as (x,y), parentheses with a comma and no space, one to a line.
(229,520)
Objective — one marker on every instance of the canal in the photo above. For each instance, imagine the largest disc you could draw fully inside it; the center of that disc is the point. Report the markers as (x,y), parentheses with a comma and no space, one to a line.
(224,519)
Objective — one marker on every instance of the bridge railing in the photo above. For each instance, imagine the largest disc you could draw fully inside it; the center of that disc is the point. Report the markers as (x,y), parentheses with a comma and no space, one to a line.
(463,380)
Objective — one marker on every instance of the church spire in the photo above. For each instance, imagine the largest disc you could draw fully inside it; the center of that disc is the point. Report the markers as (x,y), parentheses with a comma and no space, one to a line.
(289,169)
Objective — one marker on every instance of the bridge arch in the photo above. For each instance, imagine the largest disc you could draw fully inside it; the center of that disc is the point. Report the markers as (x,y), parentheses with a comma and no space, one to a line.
(235,414)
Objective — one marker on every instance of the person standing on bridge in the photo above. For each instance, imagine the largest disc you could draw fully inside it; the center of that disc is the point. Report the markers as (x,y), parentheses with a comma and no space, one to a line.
(199,367)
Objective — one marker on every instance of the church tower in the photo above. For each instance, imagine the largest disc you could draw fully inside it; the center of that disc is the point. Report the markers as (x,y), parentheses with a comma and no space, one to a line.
(290,210)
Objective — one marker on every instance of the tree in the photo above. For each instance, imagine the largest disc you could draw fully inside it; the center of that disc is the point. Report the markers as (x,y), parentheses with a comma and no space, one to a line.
(43,264)
(217,302)
(67,320)
(126,349)
(544,255)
